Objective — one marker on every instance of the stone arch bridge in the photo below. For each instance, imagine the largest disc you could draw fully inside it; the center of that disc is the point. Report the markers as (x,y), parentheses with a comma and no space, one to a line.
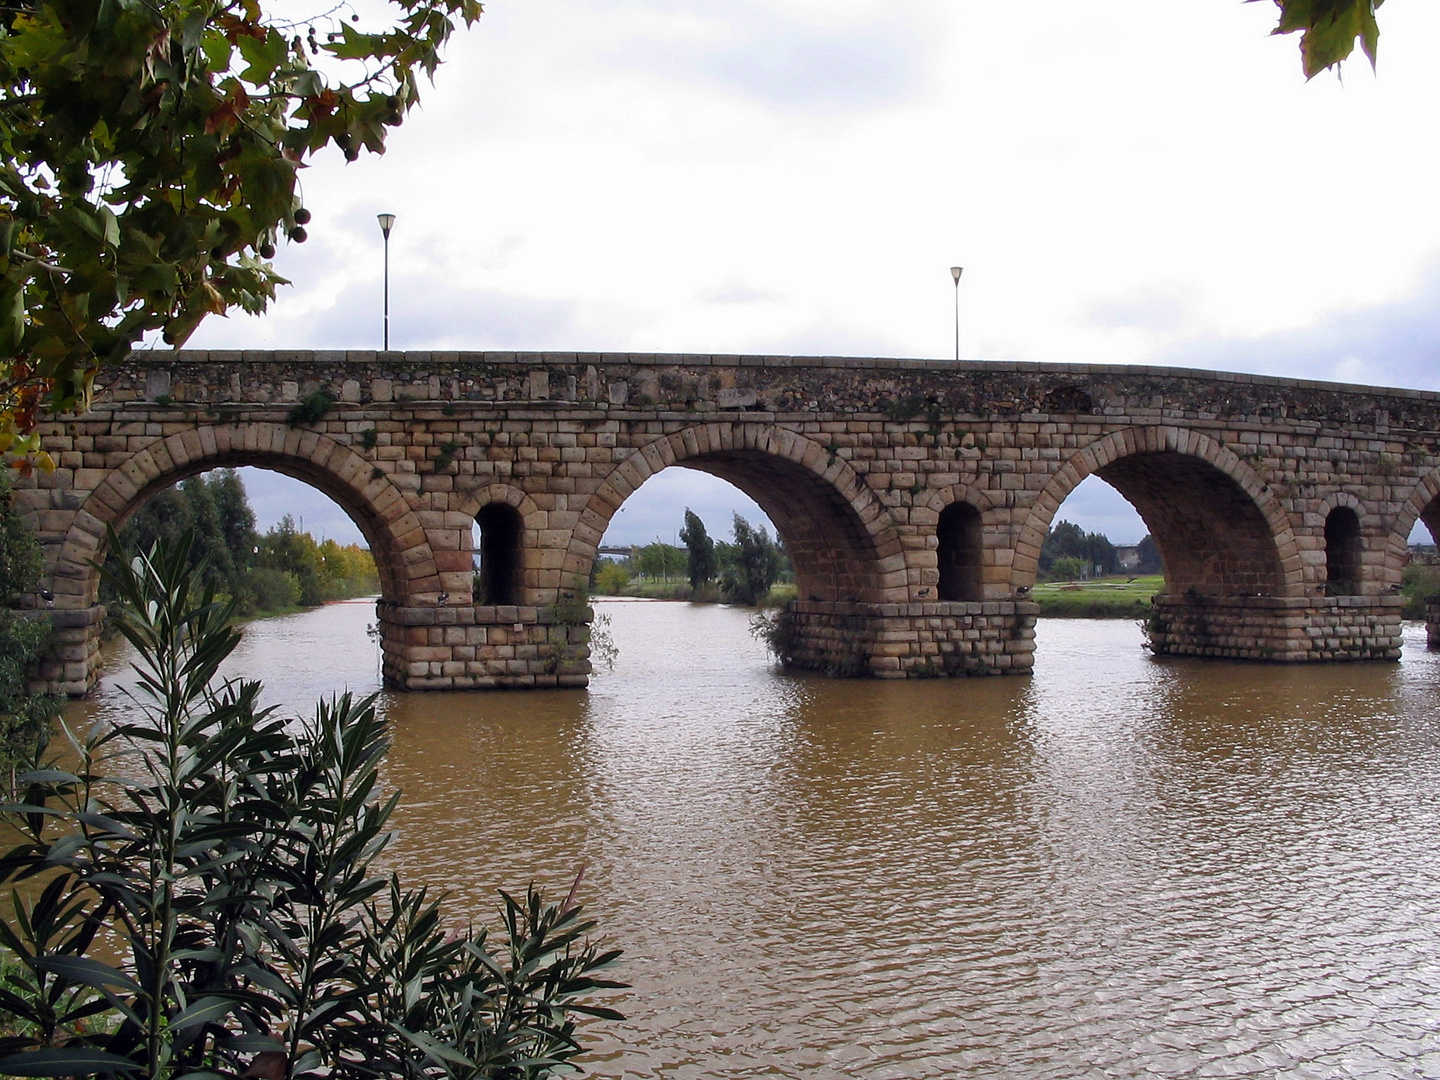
(913,496)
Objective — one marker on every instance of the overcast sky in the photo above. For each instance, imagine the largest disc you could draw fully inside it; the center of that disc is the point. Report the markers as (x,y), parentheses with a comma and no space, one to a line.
(1132,181)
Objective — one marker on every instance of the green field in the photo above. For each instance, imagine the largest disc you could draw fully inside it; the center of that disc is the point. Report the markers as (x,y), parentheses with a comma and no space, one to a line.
(1106,598)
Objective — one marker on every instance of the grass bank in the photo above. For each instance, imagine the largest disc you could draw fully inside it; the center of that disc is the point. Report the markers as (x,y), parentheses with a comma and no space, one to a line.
(778,596)
(1105,598)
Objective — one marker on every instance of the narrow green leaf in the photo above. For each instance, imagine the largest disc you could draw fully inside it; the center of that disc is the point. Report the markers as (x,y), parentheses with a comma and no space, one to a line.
(86,972)
(66,1061)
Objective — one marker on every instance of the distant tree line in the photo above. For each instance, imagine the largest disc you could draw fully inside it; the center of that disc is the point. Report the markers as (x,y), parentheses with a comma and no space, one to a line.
(1070,553)
(740,571)
(278,570)
(743,570)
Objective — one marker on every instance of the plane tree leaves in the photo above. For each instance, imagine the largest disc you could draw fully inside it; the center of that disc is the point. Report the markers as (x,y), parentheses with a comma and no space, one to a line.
(1329,30)
(149,156)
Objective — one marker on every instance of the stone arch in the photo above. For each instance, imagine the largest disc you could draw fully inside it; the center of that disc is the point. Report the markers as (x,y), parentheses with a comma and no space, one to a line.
(502,555)
(1219,528)
(926,515)
(1341,498)
(841,539)
(1422,504)
(402,551)
(533,523)
(1358,560)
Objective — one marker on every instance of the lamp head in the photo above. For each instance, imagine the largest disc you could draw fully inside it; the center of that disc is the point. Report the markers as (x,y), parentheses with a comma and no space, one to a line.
(955,272)
(386,222)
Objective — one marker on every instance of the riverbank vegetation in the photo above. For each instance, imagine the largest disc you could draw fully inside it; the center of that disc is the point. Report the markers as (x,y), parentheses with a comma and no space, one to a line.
(1417,582)
(25,718)
(199,893)
(750,570)
(1080,575)
(268,573)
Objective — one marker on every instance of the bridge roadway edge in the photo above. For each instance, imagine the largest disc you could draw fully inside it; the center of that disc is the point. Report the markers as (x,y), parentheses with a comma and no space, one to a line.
(863,464)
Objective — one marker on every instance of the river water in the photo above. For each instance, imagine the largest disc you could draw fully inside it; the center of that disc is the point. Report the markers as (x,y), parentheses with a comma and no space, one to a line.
(1120,867)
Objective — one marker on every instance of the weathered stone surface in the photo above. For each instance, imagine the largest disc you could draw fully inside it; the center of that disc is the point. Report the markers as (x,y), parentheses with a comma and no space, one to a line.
(862,464)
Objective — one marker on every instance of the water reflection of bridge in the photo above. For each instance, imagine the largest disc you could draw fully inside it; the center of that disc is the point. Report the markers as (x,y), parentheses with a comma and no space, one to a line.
(912,495)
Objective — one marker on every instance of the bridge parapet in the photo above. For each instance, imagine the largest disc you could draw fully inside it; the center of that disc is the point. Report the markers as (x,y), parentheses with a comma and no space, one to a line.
(901,487)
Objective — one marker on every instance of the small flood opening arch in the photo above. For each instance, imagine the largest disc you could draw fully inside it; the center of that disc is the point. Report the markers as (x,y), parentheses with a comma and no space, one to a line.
(960,551)
(1343,548)
(500,572)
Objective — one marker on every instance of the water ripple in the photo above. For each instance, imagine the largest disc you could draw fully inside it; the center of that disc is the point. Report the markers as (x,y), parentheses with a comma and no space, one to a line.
(1122,867)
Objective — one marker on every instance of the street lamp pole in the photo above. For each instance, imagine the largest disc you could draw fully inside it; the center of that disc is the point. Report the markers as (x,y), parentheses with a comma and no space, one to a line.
(387,221)
(955,272)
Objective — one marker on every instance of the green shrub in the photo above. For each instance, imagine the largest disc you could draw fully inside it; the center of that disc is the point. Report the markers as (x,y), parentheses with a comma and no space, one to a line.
(1416,583)
(611,579)
(212,907)
(446,457)
(1089,605)
(753,565)
(274,590)
(25,718)
(777,630)
(779,595)
(661,590)
(310,409)
(1068,568)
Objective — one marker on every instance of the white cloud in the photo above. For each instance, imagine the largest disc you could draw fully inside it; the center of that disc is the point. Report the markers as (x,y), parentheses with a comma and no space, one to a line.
(1126,182)
(786,61)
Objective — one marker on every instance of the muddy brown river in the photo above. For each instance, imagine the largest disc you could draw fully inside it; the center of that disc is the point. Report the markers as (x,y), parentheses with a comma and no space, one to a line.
(1120,867)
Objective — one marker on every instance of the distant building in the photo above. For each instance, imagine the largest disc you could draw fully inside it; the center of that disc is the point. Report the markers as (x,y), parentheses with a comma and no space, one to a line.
(1424,555)
(1127,557)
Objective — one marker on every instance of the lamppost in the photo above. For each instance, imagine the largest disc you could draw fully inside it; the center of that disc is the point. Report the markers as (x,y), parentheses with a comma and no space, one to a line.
(387,221)
(955,272)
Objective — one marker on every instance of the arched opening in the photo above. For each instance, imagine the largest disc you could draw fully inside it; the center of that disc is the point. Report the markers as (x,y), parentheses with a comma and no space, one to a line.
(265,540)
(1098,558)
(273,545)
(1211,536)
(832,554)
(1219,538)
(1419,581)
(827,518)
(348,498)
(1343,548)
(408,569)
(680,536)
(960,553)
(498,576)
(846,555)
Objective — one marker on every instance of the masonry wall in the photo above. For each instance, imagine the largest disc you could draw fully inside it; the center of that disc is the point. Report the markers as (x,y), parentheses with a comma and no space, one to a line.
(1432,622)
(1293,630)
(854,460)
(476,647)
(897,641)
